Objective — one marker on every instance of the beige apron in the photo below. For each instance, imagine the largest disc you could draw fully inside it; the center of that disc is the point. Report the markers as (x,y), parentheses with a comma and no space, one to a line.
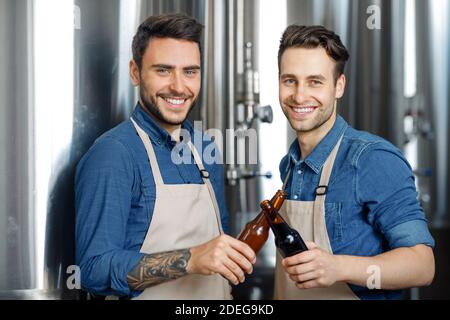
(184,216)
(308,218)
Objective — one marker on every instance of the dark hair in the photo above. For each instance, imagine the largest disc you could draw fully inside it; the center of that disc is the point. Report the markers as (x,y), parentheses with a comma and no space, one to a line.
(174,25)
(311,37)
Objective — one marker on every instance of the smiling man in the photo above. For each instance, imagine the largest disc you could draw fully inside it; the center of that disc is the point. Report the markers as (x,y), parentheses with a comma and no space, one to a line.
(351,194)
(147,228)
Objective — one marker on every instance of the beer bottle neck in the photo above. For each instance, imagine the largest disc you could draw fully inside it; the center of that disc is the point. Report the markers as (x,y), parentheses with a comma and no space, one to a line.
(278,199)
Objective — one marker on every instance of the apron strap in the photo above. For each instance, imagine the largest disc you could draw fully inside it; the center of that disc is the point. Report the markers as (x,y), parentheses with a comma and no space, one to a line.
(150,153)
(327,168)
(205,177)
(286,179)
(319,202)
(157,173)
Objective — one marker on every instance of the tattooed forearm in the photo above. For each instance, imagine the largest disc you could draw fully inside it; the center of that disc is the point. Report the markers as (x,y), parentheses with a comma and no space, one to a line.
(156,268)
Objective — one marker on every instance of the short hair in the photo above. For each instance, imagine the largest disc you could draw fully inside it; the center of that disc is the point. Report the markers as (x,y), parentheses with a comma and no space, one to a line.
(312,37)
(173,25)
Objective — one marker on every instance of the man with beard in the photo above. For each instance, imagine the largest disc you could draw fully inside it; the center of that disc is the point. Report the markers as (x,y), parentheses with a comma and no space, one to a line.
(351,195)
(147,228)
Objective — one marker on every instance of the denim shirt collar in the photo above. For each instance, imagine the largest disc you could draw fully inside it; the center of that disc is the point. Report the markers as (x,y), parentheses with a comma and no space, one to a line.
(153,129)
(320,153)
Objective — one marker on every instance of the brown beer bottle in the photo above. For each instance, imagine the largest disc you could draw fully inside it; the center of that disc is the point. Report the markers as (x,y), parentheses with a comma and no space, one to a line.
(256,231)
(287,239)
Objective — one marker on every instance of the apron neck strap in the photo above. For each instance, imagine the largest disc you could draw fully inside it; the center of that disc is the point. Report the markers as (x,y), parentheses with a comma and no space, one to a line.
(326,172)
(157,173)
(198,161)
(154,163)
(205,177)
(321,189)
(286,179)
(150,153)
(319,225)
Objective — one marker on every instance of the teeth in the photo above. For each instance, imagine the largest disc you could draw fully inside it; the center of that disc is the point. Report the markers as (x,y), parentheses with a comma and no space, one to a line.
(304,109)
(174,101)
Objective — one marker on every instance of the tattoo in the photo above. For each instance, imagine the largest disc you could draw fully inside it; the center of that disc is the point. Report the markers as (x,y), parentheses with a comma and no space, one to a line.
(160,267)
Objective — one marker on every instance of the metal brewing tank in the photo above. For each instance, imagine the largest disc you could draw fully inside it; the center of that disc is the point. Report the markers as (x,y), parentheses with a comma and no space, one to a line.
(37,209)
(45,132)
(16,193)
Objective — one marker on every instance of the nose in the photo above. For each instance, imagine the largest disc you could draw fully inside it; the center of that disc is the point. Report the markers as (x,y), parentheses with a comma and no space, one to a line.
(301,94)
(177,83)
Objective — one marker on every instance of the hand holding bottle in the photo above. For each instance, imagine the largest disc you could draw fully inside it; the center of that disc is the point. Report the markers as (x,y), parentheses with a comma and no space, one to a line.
(224,255)
(315,268)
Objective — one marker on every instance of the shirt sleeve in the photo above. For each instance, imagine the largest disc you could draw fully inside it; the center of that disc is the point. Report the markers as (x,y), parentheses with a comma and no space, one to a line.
(103,188)
(385,185)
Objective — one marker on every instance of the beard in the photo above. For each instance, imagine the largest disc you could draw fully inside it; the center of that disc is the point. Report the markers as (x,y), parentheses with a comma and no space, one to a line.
(151,106)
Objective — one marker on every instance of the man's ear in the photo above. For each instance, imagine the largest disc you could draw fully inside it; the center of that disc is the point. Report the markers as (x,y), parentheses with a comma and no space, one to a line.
(134,73)
(340,86)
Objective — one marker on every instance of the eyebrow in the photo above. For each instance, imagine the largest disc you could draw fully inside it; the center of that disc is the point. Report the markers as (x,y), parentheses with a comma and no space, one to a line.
(168,66)
(316,77)
(310,77)
(287,75)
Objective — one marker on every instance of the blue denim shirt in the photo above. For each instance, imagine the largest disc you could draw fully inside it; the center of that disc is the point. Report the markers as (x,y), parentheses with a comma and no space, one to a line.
(115,196)
(371,204)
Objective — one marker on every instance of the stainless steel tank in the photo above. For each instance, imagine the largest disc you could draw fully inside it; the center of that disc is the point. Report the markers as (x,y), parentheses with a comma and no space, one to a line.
(63,82)
(16,190)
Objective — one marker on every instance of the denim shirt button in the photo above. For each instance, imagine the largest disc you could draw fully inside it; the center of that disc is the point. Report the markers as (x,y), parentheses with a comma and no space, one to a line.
(295,197)
(299,171)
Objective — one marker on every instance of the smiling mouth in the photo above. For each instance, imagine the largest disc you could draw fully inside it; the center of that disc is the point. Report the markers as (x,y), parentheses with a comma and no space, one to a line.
(304,109)
(175,101)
